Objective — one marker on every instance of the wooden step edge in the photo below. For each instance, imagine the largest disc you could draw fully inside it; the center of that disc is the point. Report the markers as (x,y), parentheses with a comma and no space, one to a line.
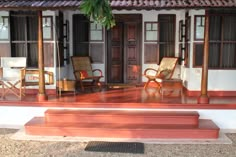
(120,112)
(122,119)
(203,124)
(37,127)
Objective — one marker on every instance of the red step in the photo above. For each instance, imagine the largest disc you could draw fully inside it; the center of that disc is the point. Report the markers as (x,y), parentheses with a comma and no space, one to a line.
(205,130)
(122,117)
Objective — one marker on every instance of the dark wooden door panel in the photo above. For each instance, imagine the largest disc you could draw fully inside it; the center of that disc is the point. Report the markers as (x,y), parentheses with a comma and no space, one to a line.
(132,47)
(115,54)
(124,50)
(116,76)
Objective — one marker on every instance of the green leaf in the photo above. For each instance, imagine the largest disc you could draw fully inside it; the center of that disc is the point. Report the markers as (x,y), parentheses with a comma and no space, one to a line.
(99,11)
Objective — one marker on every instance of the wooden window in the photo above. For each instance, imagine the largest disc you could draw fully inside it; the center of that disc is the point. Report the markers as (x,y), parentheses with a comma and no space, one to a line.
(188,28)
(167,36)
(199,27)
(151,53)
(80,37)
(96,32)
(151,31)
(60,39)
(96,52)
(198,54)
(24,37)
(182,50)
(96,45)
(162,43)
(181,31)
(4,28)
(88,38)
(222,42)
(47,28)
(186,54)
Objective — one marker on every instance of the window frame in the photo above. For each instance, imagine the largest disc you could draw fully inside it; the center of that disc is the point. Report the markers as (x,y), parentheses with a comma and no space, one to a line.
(195,27)
(194,54)
(145,30)
(167,18)
(7,27)
(188,28)
(181,31)
(96,29)
(27,42)
(221,42)
(51,27)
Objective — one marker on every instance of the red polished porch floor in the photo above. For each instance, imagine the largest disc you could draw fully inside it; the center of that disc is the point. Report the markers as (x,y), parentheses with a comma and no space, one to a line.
(135,97)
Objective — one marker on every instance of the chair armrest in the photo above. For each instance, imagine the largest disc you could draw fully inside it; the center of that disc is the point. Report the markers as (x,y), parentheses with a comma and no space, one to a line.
(100,71)
(22,76)
(22,73)
(149,69)
(50,77)
(35,72)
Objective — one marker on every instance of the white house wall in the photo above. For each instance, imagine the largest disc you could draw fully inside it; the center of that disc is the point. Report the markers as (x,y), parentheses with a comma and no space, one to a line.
(17,117)
(218,80)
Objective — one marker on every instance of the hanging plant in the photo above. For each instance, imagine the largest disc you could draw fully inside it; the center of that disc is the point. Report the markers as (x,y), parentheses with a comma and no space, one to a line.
(98,11)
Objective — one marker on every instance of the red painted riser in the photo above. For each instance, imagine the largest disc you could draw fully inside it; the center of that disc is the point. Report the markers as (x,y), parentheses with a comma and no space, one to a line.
(206,130)
(122,117)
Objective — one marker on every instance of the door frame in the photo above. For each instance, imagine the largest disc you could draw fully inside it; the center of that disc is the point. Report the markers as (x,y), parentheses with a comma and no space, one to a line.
(127,18)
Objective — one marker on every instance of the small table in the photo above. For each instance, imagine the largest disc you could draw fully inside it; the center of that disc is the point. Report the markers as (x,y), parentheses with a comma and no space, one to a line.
(66,85)
(171,85)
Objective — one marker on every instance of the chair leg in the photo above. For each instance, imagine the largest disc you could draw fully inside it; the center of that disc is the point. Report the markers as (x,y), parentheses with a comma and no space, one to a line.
(157,83)
(81,85)
(146,84)
(22,91)
(97,84)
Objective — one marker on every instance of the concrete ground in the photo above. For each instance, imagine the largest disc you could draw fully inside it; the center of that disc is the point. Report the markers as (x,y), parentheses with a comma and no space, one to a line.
(14,143)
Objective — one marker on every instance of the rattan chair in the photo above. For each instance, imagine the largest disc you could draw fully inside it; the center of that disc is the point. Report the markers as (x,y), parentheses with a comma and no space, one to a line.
(165,71)
(84,74)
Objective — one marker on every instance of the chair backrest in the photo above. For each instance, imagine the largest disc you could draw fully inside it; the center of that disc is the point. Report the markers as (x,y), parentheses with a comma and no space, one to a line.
(81,64)
(167,64)
(12,65)
(13,62)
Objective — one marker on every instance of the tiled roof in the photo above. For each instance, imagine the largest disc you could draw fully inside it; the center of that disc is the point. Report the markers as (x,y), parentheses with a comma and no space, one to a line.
(119,4)
(39,4)
(159,4)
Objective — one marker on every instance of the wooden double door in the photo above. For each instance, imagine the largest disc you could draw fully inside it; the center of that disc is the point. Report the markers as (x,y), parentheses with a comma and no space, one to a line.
(124,50)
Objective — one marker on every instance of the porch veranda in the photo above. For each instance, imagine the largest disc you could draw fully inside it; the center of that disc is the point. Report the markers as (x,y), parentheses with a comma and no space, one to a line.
(124,98)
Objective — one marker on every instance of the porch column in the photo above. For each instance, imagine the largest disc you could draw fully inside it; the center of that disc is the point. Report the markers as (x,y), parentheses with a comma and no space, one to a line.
(41,94)
(203,98)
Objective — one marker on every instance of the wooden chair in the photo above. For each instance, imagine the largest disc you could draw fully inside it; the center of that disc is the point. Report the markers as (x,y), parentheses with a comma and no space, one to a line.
(33,75)
(12,75)
(84,74)
(30,77)
(164,72)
